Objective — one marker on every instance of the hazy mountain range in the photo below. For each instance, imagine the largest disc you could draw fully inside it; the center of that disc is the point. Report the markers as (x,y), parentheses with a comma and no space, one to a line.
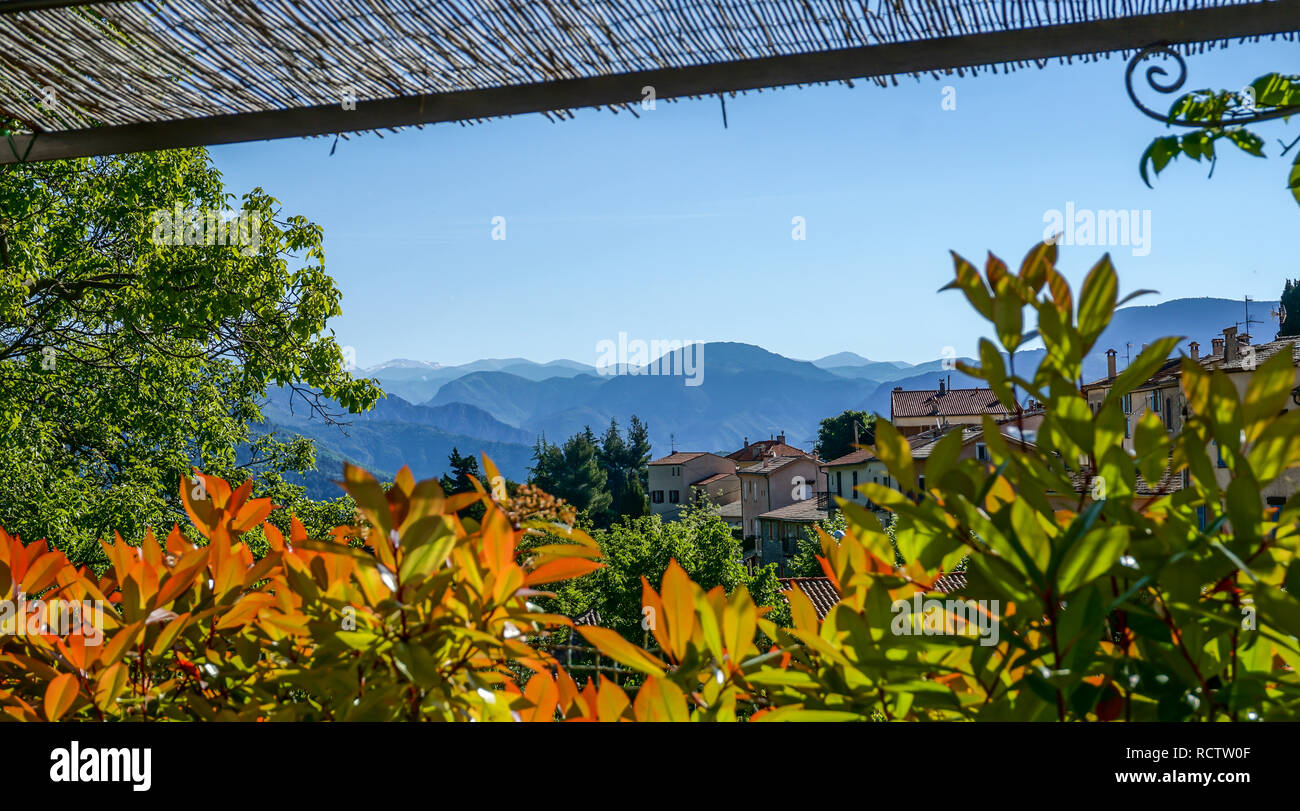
(502,406)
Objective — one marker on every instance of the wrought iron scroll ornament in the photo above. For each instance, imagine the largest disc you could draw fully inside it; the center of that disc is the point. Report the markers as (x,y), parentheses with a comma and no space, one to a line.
(1155,78)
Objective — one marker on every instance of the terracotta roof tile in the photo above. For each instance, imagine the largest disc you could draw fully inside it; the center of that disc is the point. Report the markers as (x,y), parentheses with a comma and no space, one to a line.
(855,457)
(731,510)
(681,457)
(765,447)
(774,463)
(805,511)
(820,591)
(711,479)
(1170,482)
(951,403)
(1263,352)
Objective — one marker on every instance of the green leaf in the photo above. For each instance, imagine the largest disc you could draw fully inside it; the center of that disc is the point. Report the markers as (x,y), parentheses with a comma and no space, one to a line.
(1091,557)
(1097,300)
(894,451)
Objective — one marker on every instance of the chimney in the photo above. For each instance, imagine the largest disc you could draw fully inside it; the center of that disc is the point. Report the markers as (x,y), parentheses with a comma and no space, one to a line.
(941,387)
(780,438)
(746,442)
(1243,340)
(1229,344)
(1195,350)
(1110,363)
(1216,346)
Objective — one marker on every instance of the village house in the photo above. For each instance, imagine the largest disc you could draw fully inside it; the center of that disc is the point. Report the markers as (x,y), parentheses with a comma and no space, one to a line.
(672,478)
(780,530)
(844,474)
(1239,362)
(775,482)
(912,411)
(1162,394)
(760,450)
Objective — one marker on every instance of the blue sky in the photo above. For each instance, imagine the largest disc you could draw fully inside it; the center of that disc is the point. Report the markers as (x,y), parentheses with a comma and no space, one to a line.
(671,227)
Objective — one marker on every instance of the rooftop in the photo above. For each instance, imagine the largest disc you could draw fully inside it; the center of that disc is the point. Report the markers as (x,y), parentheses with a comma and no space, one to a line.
(766,447)
(773,463)
(821,592)
(945,403)
(716,477)
(800,512)
(678,458)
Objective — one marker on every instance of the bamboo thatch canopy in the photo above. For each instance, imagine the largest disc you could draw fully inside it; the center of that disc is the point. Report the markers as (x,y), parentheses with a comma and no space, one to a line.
(85,78)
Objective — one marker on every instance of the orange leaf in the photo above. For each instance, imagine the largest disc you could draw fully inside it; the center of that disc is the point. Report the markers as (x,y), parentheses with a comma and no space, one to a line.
(252,514)
(679,605)
(620,650)
(109,684)
(543,694)
(42,573)
(660,700)
(564,569)
(59,696)
(611,701)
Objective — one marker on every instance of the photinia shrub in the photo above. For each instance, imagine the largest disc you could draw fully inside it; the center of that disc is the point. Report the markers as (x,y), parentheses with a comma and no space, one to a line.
(1091,603)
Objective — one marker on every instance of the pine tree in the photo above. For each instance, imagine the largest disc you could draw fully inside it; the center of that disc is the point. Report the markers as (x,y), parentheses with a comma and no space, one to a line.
(1290,310)
(458,481)
(461,468)
(572,472)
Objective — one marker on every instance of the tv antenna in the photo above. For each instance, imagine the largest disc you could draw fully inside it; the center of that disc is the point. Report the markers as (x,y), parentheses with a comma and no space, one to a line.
(1245,325)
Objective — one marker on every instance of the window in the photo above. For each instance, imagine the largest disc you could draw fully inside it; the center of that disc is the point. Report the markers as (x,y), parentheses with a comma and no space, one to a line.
(887,481)
(854,494)
(1219,452)
(677,471)
(1169,414)
(1127,402)
(981,451)
(657,496)
(1155,401)
(674,496)
(839,483)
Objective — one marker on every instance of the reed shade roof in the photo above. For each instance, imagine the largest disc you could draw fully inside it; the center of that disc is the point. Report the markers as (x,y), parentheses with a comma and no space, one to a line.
(107,77)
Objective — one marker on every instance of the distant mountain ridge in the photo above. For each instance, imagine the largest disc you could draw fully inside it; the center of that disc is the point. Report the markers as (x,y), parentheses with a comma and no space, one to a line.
(503,405)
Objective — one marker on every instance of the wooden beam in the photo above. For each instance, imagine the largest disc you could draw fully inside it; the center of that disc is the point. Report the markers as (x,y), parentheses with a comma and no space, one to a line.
(1179,27)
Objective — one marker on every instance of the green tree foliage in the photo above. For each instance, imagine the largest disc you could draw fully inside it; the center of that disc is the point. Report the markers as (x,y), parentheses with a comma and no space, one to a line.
(835,435)
(572,472)
(701,543)
(460,479)
(1272,95)
(604,478)
(1290,309)
(1082,602)
(625,460)
(124,362)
